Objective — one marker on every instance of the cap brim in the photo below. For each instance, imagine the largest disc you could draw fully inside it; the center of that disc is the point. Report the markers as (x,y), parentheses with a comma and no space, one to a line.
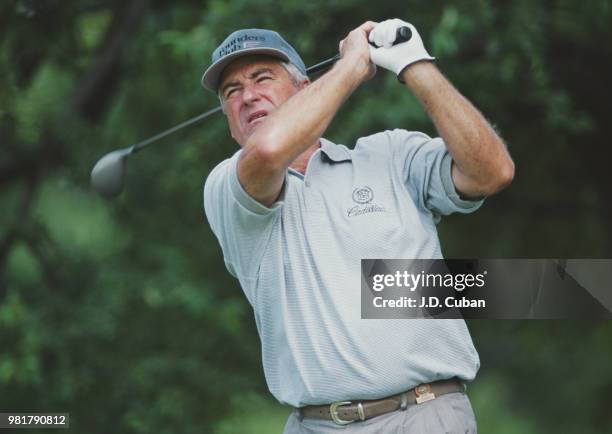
(210,79)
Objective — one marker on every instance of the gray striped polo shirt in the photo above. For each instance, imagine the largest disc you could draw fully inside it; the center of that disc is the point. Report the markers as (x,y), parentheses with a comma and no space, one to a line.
(298,263)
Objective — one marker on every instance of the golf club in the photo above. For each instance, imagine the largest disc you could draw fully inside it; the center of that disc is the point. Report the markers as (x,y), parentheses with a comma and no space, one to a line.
(108,175)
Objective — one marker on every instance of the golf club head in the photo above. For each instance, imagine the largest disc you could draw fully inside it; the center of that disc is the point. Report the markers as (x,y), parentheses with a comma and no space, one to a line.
(108,175)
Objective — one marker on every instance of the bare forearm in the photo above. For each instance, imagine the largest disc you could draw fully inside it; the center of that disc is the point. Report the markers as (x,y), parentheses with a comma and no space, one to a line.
(303,118)
(482,161)
(300,120)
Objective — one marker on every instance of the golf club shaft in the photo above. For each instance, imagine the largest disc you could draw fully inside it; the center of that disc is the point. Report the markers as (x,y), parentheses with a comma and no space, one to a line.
(138,146)
(403,34)
(322,65)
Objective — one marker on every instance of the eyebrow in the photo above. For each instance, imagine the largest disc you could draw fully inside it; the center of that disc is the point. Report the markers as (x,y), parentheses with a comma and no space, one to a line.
(251,76)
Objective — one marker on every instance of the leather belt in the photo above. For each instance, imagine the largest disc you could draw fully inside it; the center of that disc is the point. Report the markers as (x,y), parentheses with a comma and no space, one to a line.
(345,412)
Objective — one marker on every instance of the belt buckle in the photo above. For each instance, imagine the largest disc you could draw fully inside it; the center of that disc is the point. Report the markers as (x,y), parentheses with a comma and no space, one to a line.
(423,393)
(333,411)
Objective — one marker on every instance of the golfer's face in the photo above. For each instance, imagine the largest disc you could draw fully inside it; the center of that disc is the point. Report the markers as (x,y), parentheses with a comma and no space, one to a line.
(251,88)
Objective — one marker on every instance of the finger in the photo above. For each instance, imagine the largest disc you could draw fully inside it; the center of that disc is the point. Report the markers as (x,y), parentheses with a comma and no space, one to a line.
(368,26)
(390,33)
(386,35)
(378,35)
(373,34)
(371,37)
(374,52)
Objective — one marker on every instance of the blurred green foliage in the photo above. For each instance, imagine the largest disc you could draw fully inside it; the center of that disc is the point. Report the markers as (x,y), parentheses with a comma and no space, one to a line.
(122,313)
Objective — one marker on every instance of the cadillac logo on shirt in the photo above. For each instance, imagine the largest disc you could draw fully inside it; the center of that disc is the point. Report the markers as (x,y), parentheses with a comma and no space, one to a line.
(363,196)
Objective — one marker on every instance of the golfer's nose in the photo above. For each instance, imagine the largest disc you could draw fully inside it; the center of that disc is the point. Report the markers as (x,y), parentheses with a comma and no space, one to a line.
(249,94)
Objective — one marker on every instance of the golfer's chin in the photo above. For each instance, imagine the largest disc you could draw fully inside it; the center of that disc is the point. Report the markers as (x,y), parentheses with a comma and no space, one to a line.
(250,128)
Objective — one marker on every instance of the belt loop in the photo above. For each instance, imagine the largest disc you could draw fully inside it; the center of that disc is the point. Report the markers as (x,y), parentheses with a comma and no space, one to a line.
(403,401)
(360,411)
(300,415)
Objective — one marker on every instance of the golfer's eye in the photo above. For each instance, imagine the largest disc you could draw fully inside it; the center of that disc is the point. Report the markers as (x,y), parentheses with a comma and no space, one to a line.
(230,92)
(263,78)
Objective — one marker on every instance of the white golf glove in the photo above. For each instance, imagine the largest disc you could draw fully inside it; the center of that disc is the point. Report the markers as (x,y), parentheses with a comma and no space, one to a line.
(396,57)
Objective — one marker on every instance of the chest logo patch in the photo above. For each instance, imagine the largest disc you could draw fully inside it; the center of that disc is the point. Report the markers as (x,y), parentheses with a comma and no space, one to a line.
(363,197)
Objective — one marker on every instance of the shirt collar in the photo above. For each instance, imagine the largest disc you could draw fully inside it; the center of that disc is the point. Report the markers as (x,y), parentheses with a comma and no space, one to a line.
(336,153)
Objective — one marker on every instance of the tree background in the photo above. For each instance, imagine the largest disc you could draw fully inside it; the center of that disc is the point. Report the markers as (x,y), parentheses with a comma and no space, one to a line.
(122,313)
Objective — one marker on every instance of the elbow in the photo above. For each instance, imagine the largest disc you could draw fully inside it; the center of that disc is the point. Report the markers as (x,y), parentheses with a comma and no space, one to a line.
(501,178)
(264,155)
(505,174)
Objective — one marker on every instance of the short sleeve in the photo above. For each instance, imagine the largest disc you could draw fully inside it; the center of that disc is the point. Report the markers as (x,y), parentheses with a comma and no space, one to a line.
(241,224)
(425,167)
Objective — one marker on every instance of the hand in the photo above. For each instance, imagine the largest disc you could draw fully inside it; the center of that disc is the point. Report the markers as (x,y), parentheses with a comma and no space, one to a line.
(396,57)
(355,49)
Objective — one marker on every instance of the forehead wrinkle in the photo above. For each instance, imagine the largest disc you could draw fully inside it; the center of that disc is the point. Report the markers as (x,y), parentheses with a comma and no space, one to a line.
(260,71)
(230,80)
(250,76)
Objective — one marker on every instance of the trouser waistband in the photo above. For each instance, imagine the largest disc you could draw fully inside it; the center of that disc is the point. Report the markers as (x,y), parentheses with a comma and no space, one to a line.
(345,412)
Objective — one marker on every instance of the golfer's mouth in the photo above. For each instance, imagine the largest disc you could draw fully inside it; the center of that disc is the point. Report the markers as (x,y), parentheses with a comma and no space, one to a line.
(255,116)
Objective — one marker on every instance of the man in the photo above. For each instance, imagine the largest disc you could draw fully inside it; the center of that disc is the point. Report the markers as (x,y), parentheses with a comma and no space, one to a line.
(294,214)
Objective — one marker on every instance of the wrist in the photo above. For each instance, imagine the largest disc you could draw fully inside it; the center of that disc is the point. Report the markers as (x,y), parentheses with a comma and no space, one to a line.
(355,67)
(419,71)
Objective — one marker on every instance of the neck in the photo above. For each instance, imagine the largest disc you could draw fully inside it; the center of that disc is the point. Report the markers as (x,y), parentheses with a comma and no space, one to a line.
(301,162)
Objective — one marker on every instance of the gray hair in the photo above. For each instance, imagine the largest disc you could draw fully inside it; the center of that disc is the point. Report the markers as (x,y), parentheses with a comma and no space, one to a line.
(295,74)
